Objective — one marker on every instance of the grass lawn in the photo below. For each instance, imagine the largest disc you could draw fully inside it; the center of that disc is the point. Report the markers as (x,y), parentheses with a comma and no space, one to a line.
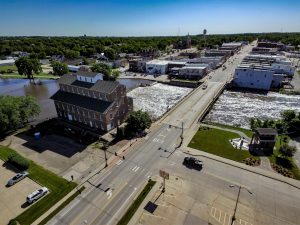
(63,205)
(58,187)
(245,131)
(291,166)
(216,142)
(18,76)
(5,68)
(136,204)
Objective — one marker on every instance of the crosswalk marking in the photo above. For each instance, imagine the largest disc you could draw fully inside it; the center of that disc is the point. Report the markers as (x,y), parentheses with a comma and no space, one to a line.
(119,162)
(157,140)
(135,169)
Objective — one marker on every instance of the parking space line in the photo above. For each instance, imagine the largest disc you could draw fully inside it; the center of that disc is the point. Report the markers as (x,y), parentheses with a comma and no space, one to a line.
(211,211)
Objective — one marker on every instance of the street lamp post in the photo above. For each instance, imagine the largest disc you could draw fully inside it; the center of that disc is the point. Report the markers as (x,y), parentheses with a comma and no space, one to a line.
(237,200)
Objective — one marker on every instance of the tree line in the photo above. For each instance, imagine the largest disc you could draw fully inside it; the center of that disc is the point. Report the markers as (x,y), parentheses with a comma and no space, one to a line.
(74,47)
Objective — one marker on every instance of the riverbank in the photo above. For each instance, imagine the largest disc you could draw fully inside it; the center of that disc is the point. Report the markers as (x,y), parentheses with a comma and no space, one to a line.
(36,76)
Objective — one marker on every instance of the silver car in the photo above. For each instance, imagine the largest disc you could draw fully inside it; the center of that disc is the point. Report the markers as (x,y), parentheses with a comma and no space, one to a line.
(17,178)
(37,195)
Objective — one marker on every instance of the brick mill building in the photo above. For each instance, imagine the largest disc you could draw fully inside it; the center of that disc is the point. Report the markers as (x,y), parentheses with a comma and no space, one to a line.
(86,98)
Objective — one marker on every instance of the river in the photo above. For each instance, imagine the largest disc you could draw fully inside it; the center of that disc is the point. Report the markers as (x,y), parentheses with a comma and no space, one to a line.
(154,99)
(237,108)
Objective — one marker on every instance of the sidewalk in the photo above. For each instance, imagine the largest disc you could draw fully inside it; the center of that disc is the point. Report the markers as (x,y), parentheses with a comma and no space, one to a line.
(242,134)
(110,162)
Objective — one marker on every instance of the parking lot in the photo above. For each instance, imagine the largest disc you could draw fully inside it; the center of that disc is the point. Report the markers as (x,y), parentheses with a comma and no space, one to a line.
(13,199)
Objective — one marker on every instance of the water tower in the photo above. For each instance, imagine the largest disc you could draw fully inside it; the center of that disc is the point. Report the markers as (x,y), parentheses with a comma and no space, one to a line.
(204,36)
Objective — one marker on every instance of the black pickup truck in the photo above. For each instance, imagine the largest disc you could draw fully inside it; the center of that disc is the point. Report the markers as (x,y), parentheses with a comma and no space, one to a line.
(192,162)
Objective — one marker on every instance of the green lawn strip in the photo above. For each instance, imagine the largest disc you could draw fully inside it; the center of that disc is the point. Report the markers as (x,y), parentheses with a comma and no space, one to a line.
(245,131)
(58,187)
(136,204)
(5,68)
(18,76)
(216,142)
(63,205)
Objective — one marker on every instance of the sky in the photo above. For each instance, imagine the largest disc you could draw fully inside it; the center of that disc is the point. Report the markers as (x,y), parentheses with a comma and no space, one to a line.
(146,17)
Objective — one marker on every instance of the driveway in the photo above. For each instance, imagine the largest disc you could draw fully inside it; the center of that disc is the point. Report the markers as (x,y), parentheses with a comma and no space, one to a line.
(296,142)
(13,199)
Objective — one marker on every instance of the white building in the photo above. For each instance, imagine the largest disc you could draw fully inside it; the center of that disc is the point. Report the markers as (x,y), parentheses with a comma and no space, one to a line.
(193,71)
(73,68)
(256,77)
(280,64)
(7,62)
(90,77)
(157,67)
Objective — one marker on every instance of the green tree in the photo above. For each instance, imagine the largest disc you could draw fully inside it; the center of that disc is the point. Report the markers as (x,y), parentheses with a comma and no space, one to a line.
(288,115)
(138,121)
(59,68)
(16,111)
(85,61)
(103,68)
(287,151)
(110,53)
(115,74)
(28,66)
(71,54)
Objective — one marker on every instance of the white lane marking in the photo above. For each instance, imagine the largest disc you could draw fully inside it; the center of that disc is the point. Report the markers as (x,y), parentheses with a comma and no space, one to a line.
(157,140)
(119,162)
(171,163)
(70,208)
(161,135)
(77,201)
(148,175)
(136,169)
(121,207)
(109,193)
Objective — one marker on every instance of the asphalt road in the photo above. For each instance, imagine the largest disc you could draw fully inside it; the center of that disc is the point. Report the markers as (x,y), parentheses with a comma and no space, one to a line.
(109,193)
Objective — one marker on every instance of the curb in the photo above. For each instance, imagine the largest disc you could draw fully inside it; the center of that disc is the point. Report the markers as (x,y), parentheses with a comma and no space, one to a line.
(236,164)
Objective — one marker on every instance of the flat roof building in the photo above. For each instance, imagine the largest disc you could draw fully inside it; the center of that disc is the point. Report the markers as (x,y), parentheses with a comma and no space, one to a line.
(157,66)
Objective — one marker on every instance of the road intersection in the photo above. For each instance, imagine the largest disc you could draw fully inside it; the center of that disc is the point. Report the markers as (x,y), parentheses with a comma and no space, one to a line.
(109,193)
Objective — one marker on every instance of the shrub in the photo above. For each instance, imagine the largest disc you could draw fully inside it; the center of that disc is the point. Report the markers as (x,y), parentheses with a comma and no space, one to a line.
(251,161)
(283,171)
(18,161)
(13,222)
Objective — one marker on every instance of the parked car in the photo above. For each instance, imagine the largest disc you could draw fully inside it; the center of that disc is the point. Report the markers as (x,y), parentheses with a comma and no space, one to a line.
(193,163)
(37,195)
(17,178)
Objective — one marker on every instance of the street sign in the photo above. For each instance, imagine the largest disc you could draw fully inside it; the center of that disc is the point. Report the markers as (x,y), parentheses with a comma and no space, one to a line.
(164,174)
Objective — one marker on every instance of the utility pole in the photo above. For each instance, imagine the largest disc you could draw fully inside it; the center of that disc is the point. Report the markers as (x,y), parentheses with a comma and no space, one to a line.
(236,203)
(104,149)
(237,200)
